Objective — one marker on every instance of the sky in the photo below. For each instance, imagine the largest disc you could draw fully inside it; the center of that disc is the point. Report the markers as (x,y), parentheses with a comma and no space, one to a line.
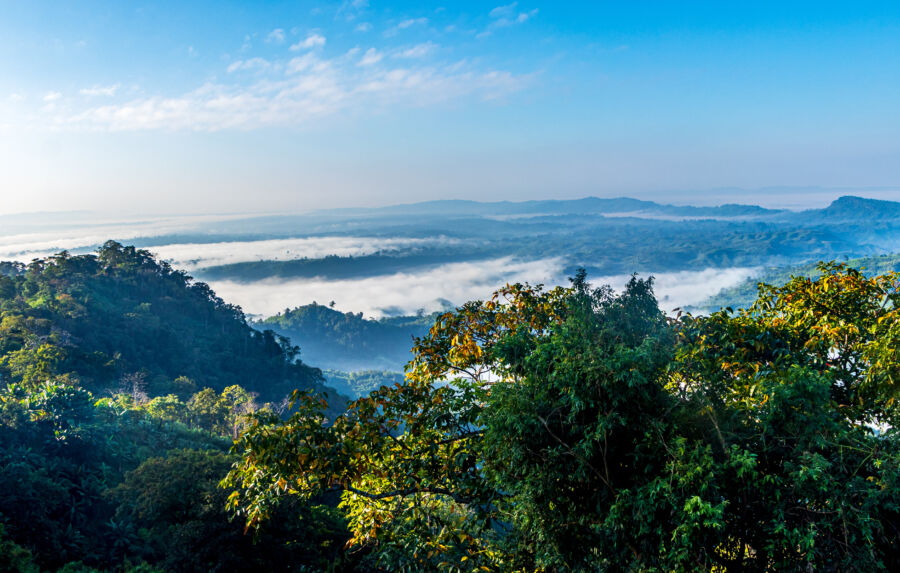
(259,107)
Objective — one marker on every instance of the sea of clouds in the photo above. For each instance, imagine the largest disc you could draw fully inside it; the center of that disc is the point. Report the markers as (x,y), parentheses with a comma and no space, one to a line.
(32,240)
(431,289)
(398,293)
(191,256)
(427,289)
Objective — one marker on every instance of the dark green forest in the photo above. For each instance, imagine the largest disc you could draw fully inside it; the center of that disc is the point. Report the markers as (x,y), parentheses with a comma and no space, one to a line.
(347,341)
(124,384)
(146,426)
(119,318)
(577,429)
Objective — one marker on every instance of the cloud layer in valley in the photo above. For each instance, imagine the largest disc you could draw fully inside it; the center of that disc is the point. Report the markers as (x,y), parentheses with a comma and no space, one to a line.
(400,293)
(36,237)
(676,290)
(405,293)
(190,256)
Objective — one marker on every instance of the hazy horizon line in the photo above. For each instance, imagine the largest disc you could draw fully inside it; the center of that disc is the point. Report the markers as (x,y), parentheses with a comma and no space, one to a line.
(816,196)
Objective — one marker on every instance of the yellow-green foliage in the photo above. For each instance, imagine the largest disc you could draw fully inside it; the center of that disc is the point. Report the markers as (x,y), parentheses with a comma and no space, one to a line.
(578,429)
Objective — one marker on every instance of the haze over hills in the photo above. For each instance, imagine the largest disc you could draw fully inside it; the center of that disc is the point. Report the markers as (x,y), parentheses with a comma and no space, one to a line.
(587,205)
(426,257)
(347,341)
(399,259)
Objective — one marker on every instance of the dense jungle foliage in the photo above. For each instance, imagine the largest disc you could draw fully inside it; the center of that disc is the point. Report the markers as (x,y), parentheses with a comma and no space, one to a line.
(570,429)
(743,294)
(123,386)
(120,318)
(111,485)
(581,430)
(347,341)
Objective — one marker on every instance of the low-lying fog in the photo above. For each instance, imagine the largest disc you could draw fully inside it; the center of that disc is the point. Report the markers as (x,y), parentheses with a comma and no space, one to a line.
(23,239)
(431,290)
(427,289)
(191,256)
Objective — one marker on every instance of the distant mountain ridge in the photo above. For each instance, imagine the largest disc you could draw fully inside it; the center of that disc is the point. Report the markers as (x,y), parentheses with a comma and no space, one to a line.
(852,208)
(586,205)
(846,207)
(606,236)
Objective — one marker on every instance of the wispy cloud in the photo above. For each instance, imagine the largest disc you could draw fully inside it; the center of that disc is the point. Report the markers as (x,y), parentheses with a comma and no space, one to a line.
(459,282)
(192,256)
(403,25)
(108,91)
(247,65)
(400,292)
(507,15)
(312,41)
(276,36)
(411,22)
(351,9)
(504,11)
(292,93)
(676,290)
(363,27)
(417,51)
(50,97)
(372,56)
(24,240)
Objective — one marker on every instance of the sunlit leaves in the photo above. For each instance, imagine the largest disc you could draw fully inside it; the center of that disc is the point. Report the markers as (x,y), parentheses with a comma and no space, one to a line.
(580,429)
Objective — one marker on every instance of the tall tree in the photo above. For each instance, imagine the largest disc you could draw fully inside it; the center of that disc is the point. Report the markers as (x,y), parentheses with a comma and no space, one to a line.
(579,429)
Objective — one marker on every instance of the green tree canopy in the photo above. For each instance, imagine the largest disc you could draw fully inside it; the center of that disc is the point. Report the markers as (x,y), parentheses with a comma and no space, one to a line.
(579,429)
(120,315)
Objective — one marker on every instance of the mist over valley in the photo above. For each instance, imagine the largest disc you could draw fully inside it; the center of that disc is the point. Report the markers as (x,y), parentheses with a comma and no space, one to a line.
(434,255)
(424,258)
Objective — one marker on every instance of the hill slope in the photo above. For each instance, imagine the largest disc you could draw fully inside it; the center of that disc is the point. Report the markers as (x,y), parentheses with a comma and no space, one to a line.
(743,295)
(121,318)
(347,341)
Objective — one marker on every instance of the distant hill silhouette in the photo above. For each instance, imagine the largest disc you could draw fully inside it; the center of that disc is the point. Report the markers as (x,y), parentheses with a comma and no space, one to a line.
(587,205)
(346,341)
(851,208)
(120,315)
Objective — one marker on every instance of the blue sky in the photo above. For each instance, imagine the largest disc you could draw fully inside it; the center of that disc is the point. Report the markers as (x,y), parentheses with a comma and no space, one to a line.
(286,106)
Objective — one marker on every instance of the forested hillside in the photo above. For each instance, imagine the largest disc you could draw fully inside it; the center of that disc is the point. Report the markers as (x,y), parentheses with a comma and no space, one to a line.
(121,320)
(577,429)
(347,341)
(361,383)
(569,429)
(743,295)
(124,385)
